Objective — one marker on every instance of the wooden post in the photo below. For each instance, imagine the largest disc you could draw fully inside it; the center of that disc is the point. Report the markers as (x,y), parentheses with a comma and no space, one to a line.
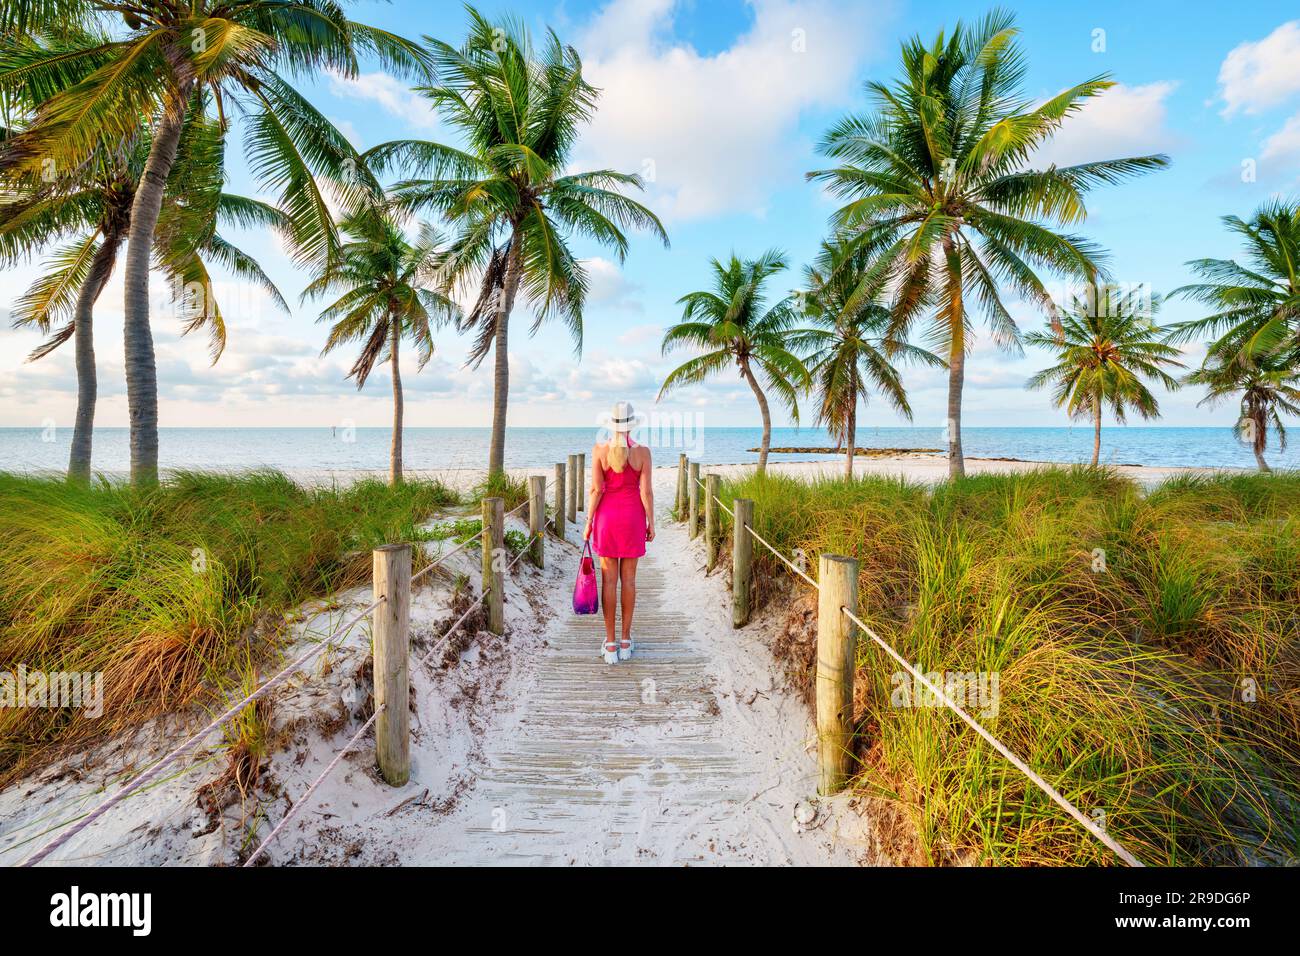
(679,505)
(582,481)
(742,561)
(693,500)
(494,557)
(837,639)
(537,519)
(711,483)
(573,487)
(559,500)
(391,577)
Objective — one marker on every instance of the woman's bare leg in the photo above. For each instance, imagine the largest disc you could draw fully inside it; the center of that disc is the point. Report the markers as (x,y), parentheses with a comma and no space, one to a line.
(609,594)
(627,575)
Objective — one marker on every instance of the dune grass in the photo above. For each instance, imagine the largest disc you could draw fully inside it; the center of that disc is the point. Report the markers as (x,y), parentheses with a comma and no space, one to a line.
(174,593)
(1147,647)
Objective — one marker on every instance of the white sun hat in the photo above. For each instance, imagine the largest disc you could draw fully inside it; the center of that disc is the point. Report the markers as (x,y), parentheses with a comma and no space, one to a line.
(622,418)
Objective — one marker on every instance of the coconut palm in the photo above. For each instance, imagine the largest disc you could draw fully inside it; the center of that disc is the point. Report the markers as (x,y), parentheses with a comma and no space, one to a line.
(385,280)
(942,194)
(849,351)
(519,111)
(1269,387)
(733,323)
(159,64)
(1256,305)
(1107,349)
(87,213)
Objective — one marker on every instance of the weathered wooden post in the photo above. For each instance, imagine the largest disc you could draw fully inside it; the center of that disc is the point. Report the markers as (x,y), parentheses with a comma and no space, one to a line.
(679,505)
(391,578)
(494,556)
(573,487)
(742,561)
(837,639)
(582,481)
(711,483)
(559,500)
(693,500)
(537,519)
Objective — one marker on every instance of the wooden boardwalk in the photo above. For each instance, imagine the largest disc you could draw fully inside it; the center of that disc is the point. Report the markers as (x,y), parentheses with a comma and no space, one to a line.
(641,762)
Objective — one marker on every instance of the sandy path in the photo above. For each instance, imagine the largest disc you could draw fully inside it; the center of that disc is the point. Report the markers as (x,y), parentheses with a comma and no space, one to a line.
(688,754)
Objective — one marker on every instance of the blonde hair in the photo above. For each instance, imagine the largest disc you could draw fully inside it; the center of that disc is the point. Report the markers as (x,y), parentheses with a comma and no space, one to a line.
(617,453)
(618,447)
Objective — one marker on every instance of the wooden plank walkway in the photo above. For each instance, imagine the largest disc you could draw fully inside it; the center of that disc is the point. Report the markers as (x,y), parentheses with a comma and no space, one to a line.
(641,762)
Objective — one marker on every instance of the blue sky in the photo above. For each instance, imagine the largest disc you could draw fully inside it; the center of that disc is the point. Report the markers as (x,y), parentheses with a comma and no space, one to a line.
(721,104)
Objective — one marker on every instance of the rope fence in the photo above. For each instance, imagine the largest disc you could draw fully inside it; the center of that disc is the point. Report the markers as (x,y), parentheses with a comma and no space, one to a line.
(493,524)
(835,664)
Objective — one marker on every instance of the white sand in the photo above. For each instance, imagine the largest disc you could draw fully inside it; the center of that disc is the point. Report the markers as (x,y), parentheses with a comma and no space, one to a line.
(474,709)
(465,713)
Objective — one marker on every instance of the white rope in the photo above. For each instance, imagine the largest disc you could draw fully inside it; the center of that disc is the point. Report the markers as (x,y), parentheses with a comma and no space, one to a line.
(143,778)
(302,801)
(759,538)
(1089,825)
(460,547)
(1019,764)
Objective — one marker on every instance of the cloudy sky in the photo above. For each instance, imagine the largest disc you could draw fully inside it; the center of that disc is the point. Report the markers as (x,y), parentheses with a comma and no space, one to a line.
(719,104)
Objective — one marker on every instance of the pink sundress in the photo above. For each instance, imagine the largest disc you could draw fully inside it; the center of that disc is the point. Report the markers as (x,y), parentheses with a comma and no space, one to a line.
(618,527)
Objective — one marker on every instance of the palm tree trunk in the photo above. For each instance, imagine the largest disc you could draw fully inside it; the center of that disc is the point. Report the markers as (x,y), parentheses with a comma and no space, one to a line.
(141,366)
(101,267)
(395,450)
(956,371)
(851,429)
(766,443)
(1259,440)
(1096,430)
(501,371)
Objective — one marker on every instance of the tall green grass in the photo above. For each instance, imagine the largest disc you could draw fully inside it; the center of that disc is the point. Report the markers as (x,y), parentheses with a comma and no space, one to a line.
(171,593)
(1148,648)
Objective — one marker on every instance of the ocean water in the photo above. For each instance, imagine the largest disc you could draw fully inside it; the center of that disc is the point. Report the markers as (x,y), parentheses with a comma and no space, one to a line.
(342,449)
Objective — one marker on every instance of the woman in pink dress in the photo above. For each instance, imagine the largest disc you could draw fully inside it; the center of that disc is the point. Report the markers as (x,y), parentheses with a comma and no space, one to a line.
(620,520)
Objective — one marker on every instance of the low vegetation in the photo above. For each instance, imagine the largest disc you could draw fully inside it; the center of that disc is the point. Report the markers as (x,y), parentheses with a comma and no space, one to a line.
(1147,647)
(174,593)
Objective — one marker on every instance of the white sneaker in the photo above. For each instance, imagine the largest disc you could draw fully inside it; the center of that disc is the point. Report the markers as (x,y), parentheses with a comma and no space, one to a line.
(609,653)
(625,653)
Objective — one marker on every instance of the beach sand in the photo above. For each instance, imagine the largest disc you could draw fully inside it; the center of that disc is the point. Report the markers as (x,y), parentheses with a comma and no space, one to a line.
(714,768)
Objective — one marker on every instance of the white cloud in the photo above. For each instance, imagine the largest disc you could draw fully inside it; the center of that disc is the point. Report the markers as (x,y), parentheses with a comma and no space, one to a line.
(1122,121)
(1261,73)
(641,334)
(607,285)
(713,132)
(1283,147)
(394,95)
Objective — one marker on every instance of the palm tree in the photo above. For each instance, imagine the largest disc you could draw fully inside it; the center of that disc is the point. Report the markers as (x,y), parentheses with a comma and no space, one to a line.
(159,66)
(384,279)
(1256,305)
(88,212)
(519,112)
(1105,348)
(730,323)
(1268,387)
(941,194)
(849,350)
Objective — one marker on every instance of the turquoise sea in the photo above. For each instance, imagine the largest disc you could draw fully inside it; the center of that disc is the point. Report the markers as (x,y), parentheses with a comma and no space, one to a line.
(343,449)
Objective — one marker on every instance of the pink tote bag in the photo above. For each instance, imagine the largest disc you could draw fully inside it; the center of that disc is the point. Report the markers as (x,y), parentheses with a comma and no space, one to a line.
(586,595)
